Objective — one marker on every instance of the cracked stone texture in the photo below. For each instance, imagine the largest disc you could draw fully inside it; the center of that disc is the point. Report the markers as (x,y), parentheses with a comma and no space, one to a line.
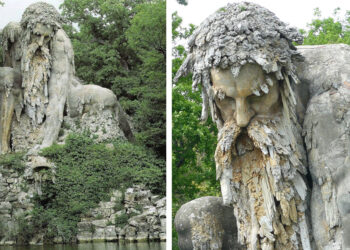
(205,223)
(327,138)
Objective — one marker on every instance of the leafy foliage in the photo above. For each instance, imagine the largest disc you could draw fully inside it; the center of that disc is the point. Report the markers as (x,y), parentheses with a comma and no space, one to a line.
(328,30)
(147,37)
(13,161)
(121,220)
(121,45)
(85,175)
(193,142)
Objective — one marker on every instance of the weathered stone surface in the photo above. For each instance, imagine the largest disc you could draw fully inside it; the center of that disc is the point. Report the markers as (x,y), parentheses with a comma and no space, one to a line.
(110,233)
(327,139)
(323,66)
(100,223)
(205,223)
(84,236)
(147,219)
(10,103)
(99,234)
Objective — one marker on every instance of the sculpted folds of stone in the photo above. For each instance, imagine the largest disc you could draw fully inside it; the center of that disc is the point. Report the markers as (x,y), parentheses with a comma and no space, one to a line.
(327,138)
(39,49)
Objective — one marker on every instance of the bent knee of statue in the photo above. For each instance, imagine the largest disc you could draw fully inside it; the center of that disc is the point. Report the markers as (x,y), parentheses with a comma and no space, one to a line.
(93,102)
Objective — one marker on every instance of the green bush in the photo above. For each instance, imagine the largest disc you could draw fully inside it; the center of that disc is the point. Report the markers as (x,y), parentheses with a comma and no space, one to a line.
(86,173)
(118,205)
(3,228)
(13,161)
(24,232)
(121,220)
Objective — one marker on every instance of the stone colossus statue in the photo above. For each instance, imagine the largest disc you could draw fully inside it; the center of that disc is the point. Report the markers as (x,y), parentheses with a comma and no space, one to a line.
(47,67)
(40,50)
(243,56)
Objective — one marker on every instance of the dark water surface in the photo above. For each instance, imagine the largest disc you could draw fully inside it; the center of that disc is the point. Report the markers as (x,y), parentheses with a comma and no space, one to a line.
(93,246)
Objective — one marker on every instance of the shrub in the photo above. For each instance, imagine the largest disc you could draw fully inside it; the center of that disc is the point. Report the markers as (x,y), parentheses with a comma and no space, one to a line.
(13,161)
(24,232)
(121,220)
(86,173)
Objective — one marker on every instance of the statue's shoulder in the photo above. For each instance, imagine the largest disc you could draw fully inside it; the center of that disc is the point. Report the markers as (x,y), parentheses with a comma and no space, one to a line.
(62,44)
(61,37)
(10,33)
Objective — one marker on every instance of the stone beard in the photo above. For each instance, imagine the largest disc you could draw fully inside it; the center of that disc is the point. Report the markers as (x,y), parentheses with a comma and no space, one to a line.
(243,57)
(36,72)
(259,161)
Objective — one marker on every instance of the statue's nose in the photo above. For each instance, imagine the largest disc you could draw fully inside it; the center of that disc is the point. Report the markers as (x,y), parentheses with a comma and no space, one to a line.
(41,41)
(243,112)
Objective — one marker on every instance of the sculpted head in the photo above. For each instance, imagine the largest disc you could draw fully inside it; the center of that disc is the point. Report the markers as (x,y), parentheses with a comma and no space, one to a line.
(43,13)
(242,55)
(39,23)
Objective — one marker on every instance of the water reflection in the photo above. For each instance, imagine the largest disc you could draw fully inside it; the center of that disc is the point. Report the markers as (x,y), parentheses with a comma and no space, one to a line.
(93,246)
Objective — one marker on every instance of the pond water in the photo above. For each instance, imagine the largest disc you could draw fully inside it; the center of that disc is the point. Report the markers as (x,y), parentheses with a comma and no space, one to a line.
(93,246)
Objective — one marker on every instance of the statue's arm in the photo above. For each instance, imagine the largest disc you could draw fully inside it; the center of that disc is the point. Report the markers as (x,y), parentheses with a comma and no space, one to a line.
(62,72)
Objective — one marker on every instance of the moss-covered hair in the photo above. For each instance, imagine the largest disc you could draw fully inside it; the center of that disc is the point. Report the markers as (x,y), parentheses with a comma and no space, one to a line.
(233,36)
(41,12)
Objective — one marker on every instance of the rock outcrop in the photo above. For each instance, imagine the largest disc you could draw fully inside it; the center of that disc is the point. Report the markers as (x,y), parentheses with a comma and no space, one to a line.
(17,188)
(134,215)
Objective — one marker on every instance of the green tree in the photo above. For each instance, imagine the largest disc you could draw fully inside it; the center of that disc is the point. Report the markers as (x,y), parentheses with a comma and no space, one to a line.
(328,30)
(193,141)
(109,53)
(147,37)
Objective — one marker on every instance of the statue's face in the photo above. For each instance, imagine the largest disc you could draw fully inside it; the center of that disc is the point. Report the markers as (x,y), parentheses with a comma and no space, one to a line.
(41,34)
(241,98)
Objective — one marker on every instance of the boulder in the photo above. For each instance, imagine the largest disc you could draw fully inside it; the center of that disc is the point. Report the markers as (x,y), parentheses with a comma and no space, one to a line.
(84,237)
(100,223)
(99,234)
(205,223)
(110,233)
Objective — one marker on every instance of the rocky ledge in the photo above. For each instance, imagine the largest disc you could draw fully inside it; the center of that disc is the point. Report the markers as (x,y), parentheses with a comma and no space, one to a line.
(133,215)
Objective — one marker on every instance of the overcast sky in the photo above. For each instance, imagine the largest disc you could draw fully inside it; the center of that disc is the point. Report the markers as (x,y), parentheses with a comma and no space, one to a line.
(294,12)
(13,9)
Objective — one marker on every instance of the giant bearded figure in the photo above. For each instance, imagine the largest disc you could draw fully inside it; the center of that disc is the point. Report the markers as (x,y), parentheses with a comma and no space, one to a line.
(47,68)
(242,56)
(39,78)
